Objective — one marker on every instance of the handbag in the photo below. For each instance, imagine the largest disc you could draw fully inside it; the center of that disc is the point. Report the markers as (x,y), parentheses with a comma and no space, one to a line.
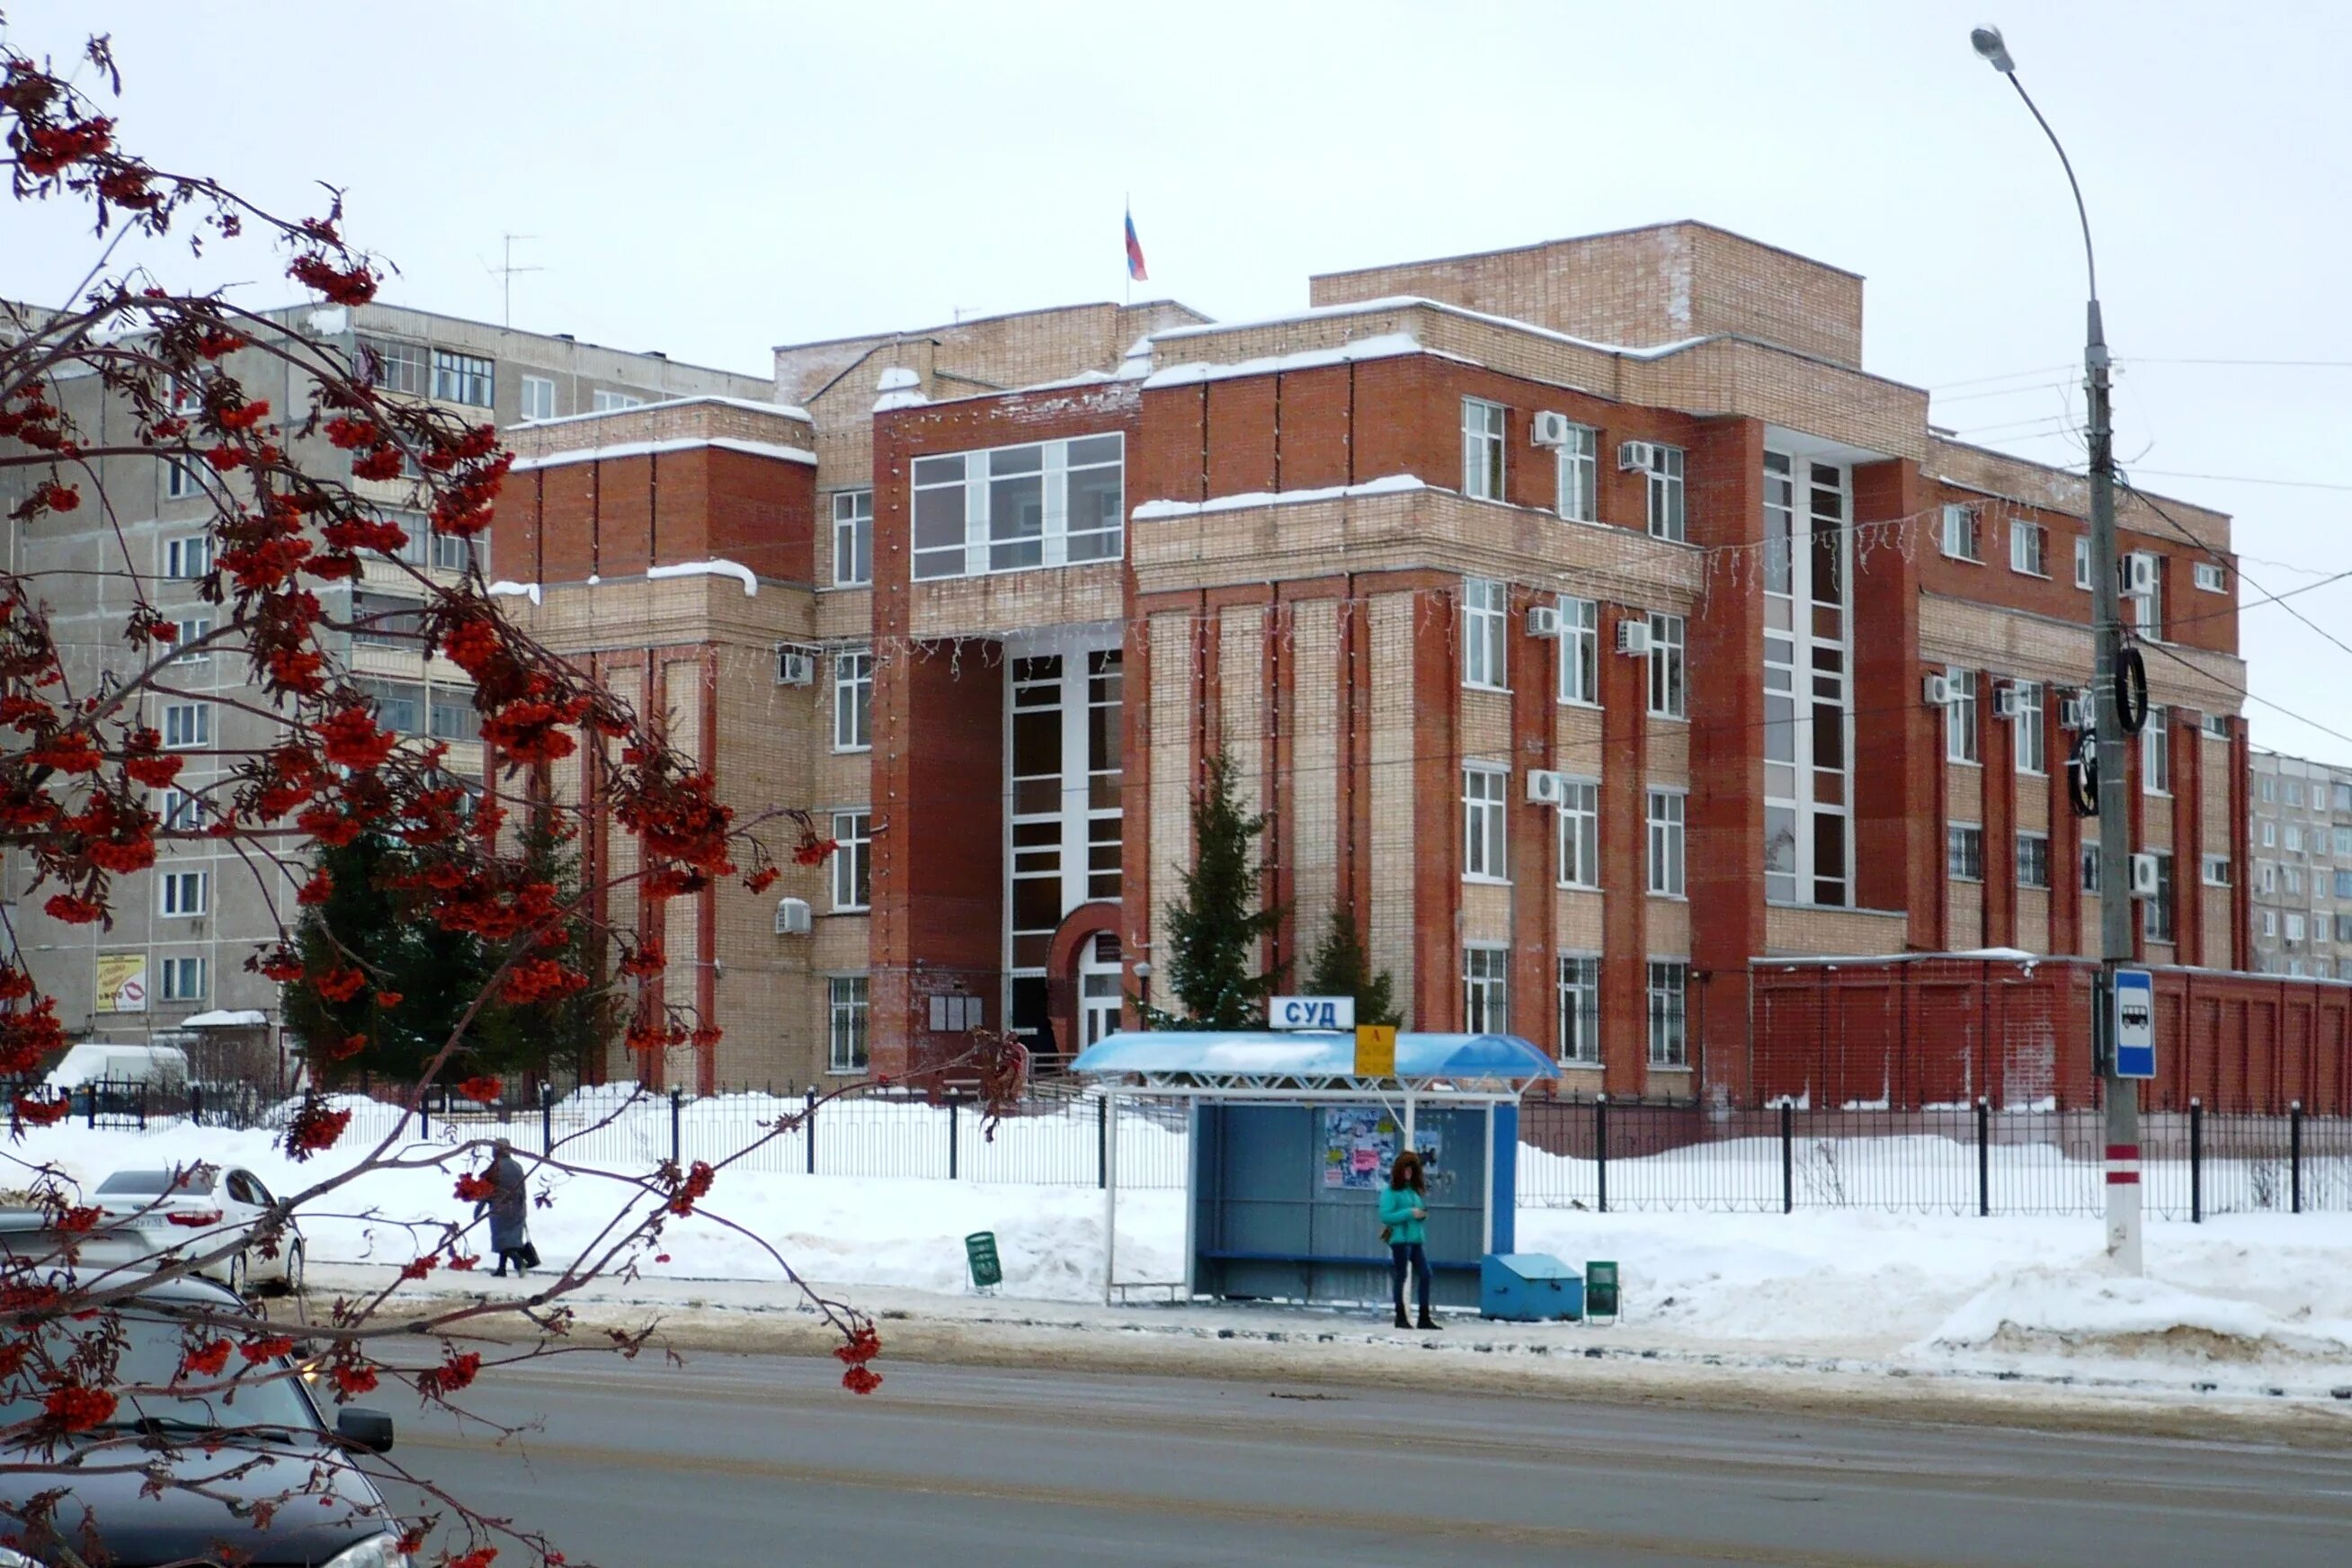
(528,1254)
(1384,1235)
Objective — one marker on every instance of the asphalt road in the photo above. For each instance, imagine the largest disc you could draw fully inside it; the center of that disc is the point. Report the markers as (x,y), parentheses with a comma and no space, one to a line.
(745,1460)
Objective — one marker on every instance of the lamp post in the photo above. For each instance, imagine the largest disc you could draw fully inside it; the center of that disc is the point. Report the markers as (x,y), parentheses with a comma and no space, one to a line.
(1143,994)
(2114,798)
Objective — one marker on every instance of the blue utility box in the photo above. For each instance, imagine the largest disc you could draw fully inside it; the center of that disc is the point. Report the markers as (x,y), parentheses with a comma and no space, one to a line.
(1528,1288)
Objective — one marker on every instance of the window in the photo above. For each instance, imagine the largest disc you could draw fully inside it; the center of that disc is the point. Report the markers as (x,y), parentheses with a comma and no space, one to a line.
(2156,914)
(453,716)
(1669,991)
(1483,424)
(2029,546)
(537,398)
(2270,922)
(2030,742)
(180,479)
(2342,879)
(390,366)
(2293,877)
(2343,802)
(2082,562)
(184,892)
(853,701)
(382,620)
(1960,533)
(2344,840)
(1054,504)
(2217,726)
(1579,1009)
(2293,931)
(1482,823)
(1666,842)
(2210,577)
(188,632)
(399,704)
(1486,990)
(1964,852)
(1580,475)
(2344,928)
(2269,788)
(454,552)
(2090,868)
(2146,611)
(462,378)
(2266,877)
(184,979)
(2217,872)
(2033,861)
(1579,651)
(178,809)
(187,724)
(1666,493)
(853,863)
(1486,628)
(188,558)
(2269,834)
(2293,839)
(845,1032)
(2295,792)
(1580,834)
(853,538)
(1960,716)
(604,401)
(1666,674)
(2155,755)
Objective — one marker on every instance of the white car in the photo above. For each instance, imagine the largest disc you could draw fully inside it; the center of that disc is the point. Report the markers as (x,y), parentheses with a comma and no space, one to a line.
(199,1209)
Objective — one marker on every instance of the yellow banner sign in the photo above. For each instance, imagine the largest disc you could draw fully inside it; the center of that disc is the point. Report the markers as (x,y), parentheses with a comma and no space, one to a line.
(121,983)
(1376,1051)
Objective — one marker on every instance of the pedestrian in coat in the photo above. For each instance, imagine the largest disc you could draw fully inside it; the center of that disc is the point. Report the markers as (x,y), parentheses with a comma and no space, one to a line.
(1404,1215)
(509,1206)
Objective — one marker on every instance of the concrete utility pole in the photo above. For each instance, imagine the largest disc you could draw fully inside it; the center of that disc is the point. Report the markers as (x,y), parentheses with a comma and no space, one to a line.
(2116,902)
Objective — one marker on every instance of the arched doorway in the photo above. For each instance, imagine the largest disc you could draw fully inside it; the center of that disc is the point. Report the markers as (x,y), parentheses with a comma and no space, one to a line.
(1084,977)
(1099,986)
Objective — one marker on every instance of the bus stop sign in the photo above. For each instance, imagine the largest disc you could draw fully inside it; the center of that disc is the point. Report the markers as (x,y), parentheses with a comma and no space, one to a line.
(2135,1023)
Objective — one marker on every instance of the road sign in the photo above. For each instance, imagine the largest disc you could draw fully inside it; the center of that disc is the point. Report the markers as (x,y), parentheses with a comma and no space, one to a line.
(2135,1023)
(1335,1015)
(1376,1051)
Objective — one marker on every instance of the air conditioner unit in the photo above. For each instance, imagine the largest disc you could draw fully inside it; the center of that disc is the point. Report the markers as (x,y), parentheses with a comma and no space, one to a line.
(791,917)
(1553,429)
(1634,638)
(1543,621)
(2138,576)
(1637,457)
(2005,703)
(2143,876)
(796,664)
(1544,787)
(2074,711)
(1936,691)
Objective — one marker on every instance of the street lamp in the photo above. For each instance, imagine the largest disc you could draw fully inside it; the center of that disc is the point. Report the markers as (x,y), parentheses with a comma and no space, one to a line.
(1143,994)
(2115,803)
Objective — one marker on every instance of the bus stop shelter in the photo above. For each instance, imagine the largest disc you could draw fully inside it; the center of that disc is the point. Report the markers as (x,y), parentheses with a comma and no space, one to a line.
(1290,1147)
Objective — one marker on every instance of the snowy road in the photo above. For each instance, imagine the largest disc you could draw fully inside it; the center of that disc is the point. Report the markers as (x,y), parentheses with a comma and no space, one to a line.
(741,1461)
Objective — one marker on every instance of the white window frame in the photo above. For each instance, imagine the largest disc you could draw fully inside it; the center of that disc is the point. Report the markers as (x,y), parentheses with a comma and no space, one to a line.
(2270,922)
(180,481)
(1580,475)
(1669,675)
(2216,726)
(2217,871)
(1577,833)
(2266,877)
(2027,843)
(2088,869)
(1486,988)
(2292,928)
(190,722)
(1668,994)
(1961,729)
(961,483)
(1964,856)
(1576,982)
(183,979)
(604,400)
(2147,610)
(853,862)
(2029,548)
(2295,838)
(1666,502)
(2158,918)
(2211,577)
(189,629)
(2082,562)
(391,365)
(1485,787)
(1962,532)
(1486,430)
(178,810)
(849,1003)
(1579,651)
(1485,634)
(537,398)
(2156,753)
(2028,740)
(189,557)
(2291,878)
(2269,788)
(2269,834)
(184,895)
(852,699)
(1667,817)
(853,538)
(469,379)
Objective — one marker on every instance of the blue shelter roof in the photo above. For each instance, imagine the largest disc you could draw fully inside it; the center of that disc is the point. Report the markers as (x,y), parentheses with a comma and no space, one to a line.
(1268,1055)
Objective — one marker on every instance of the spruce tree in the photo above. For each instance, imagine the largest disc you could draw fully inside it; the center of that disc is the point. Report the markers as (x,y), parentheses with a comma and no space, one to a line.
(1217,929)
(1339,966)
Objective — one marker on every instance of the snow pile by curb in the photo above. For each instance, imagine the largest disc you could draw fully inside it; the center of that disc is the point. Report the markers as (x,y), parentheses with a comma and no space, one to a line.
(2074,1312)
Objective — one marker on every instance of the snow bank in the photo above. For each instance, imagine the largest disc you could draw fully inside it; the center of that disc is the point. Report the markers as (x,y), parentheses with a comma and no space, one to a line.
(713,568)
(1390,484)
(502,589)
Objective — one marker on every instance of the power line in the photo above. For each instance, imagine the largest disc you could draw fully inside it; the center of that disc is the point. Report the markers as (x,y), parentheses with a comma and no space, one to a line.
(2245,479)
(2249,696)
(2224,562)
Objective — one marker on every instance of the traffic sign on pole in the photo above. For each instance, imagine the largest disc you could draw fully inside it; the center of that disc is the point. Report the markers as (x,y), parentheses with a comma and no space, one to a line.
(2135,1023)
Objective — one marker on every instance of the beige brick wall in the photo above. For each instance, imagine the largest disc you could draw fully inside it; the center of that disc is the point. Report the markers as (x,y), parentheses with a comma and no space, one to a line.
(696,421)
(1486,912)
(1789,930)
(1315,757)
(1167,838)
(1241,675)
(2014,479)
(1009,601)
(1391,849)
(1577,920)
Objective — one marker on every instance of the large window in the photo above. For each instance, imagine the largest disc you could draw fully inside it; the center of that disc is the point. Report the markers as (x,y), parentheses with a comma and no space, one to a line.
(1579,1008)
(1669,1003)
(1483,789)
(2032,743)
(1064,782)
(853,863)
(1483,425)
(1808,681)
(453,716)
(1666,671)
(853,538)
(846,1028)
(1666,808)
(1579,651)
(2033,861)
(2156,757)
(188,725)
(1486,990)
(1580,475)
(1058,503)
(537,398)
(1964,852)
(1485,633)
(1960,716)
(1580,834)
(853,701)
(1664,490)
(463,378)
(391,366)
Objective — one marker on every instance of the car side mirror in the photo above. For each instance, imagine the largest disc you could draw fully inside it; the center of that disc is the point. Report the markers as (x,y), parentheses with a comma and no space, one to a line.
(368,1429)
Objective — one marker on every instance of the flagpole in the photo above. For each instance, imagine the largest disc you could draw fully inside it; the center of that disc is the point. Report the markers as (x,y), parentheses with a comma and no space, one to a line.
(1127,212)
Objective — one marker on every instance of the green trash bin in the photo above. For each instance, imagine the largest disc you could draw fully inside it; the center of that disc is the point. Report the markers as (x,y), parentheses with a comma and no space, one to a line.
(979,1258)
(1599,1292)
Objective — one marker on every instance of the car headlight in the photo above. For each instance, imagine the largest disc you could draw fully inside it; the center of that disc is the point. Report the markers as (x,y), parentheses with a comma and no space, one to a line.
(380,1552)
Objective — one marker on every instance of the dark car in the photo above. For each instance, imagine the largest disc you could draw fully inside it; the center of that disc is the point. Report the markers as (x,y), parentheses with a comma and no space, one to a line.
(272,1444)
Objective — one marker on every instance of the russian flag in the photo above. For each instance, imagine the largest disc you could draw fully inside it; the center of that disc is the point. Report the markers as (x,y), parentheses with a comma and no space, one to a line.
(1135,253)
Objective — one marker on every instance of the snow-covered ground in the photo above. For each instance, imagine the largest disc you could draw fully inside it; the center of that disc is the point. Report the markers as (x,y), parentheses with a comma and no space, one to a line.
(2244,1303)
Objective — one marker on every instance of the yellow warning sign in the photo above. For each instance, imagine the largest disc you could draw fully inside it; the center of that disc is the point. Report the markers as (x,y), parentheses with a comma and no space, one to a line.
(1376,1051)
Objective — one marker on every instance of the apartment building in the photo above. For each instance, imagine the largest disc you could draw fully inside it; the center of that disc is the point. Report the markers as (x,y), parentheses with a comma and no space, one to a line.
(2301,867)
(172,964)
(1584,617)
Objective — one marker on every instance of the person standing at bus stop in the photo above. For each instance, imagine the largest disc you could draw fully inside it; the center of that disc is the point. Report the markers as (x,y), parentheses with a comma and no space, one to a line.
(1404,1213)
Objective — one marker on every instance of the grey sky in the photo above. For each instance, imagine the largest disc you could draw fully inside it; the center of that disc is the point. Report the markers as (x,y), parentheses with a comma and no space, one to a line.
(709,180)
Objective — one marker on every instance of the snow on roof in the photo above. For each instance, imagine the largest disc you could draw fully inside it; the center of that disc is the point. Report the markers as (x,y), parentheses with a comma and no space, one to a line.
(1387,345)
(897,378)
(787,410)
(713,568)
(1393,484)
(235,1018)
(502,589)
(676,444)
(1415,301)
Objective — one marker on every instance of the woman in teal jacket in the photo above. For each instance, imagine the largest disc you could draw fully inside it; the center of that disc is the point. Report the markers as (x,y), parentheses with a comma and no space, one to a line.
(1404,1212)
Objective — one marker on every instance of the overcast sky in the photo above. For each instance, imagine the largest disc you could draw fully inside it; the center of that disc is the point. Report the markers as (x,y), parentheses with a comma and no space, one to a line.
(711,180)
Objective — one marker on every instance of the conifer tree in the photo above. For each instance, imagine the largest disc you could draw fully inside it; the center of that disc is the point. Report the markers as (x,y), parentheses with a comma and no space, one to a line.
(1339,966)
(1218,929)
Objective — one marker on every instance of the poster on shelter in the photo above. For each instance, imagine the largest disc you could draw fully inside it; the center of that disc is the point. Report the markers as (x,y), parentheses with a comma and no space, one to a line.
(121,983)
(1359,1143)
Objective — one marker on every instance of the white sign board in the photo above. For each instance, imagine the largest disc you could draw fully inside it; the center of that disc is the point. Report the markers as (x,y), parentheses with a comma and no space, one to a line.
(2135,1023)
(1334,1014)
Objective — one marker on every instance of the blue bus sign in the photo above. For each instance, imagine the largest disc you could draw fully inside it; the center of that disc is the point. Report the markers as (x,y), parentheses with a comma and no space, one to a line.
(2135,1023)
